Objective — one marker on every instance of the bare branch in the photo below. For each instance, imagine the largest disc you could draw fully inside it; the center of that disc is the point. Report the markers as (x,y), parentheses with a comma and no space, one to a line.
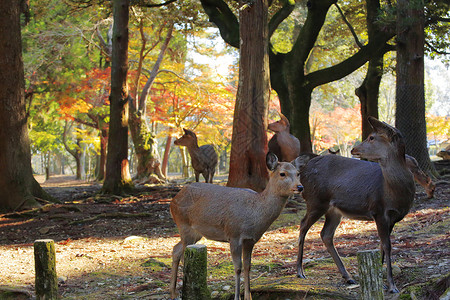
(352,30)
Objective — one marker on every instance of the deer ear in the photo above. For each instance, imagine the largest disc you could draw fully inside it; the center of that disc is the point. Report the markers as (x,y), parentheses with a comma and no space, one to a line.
(284,119)
(185,131)
(300,162)
(383,128)
(271,161)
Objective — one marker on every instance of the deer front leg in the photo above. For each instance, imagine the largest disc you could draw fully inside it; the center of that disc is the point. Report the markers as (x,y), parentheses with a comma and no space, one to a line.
(384,230)
(332,221)
(308,220)
(247,258)
(236,254)
(197,175)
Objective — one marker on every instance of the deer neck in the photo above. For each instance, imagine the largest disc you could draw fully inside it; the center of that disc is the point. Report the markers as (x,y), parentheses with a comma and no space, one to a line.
(271,203)
(399,187)
(193,148)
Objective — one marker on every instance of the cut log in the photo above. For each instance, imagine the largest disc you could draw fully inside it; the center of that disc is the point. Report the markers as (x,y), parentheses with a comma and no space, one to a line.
(46,281)
(370,274)
(195,270)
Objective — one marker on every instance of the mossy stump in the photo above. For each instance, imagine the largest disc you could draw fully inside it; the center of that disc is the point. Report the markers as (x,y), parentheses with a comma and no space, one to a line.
(194,273)
(370,275)
(46,281)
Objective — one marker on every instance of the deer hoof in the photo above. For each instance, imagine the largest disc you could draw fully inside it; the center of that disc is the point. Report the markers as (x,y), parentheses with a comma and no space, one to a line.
(394,290)
(301,276)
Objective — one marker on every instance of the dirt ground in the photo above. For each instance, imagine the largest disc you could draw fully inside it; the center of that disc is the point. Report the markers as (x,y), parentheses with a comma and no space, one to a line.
(120,248)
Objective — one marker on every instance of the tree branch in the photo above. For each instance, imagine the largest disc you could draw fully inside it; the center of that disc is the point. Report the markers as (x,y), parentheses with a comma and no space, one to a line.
(220,14)
(436,50)
(352,30)
(280,16)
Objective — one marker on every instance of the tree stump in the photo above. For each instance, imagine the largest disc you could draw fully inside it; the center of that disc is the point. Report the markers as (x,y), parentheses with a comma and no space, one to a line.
(370,274)
(195,269)
(46,281)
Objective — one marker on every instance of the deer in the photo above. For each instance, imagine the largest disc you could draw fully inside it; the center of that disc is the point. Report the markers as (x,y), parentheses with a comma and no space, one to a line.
(235,215)
(283,144)
(381,190)
(203,158)
(420,177)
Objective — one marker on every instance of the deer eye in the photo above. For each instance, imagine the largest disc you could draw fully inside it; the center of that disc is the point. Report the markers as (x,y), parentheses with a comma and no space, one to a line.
(371,138)
(282,174)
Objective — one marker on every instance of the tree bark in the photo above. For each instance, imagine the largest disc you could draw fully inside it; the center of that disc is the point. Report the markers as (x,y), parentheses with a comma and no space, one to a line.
(117,170)
(369,90)
(249,138)
(410,92)
(165,160)
(17,184)
(144,141)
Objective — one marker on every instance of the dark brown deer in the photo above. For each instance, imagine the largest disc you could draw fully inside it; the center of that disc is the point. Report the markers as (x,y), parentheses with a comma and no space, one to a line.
(203,158)
(283,144)
(337,186)
(420,177)
(234,215)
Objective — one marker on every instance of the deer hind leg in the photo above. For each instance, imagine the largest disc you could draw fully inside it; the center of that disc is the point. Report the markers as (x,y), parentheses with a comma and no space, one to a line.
(187,238)
(197,175)
(247,258)
(308,220)
(236,255)
(206,175)
(332,221)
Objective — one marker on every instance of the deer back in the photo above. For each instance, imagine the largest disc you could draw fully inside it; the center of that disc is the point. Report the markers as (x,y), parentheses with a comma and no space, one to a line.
(352,186)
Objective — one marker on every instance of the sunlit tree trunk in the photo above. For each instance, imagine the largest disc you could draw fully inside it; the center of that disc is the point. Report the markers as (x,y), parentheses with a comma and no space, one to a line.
(17,184)
(117,169)
(410,93)
(249,139)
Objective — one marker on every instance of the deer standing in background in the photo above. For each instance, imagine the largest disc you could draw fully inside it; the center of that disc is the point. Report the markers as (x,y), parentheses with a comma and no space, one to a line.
(234,215)
(203,158)
(283,144)
(337,186)
(420,177)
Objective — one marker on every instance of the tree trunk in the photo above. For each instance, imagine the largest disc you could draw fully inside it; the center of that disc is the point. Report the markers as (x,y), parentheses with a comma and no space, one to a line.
(369,90)
(410,93)
(17,184)
(144,141)
(249,138)
(101,165)
(117,170)
(166,155)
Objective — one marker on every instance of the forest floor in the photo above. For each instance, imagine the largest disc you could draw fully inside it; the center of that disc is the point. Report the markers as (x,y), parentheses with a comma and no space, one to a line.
(120,248)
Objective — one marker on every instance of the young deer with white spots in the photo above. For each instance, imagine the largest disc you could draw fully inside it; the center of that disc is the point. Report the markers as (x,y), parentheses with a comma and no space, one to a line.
(337,186)
(203,158)
(234,215)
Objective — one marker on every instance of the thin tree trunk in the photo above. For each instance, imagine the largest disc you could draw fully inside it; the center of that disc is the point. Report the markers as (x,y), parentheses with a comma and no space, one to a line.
(249,138)
(166,155)
(117,170)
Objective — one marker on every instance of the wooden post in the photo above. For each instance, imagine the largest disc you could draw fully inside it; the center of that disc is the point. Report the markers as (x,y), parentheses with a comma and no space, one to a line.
(370,274)
(46,281)
(195,269)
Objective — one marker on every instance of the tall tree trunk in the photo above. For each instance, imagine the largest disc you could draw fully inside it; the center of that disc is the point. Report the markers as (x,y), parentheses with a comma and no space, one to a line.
(369,90)
(17,184)
(410,94)
(249,139)
(117,170)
